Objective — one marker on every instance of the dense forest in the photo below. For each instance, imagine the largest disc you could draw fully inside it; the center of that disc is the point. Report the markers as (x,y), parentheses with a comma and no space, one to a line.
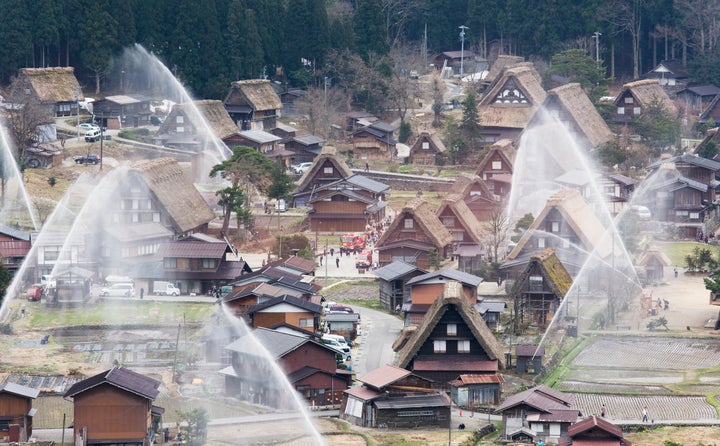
(210,43)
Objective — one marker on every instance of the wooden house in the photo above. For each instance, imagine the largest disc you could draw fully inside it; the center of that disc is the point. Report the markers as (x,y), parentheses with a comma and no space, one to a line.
(394,291)
(669,73)
(14,246)
(375,141)
(327,168)
(262,141)
(467,233)
(16,412)
(569,105)
(683,187)
(115,406)
(348,205)
(304,147)
(476,391)
(393,397)
(507,107)
(594,431)
(242,299)
(253,104)
(529,357)
(696,99)
(636,96)
(498,162)
(415,233)
(617,190)
(426,149)
(123,111)
(452,340)
(54,89)
(289,98)
(196,126)
(539,413)
(343,324)
(43,155)
(654,262)
(477,196)
(426,288)
(285,132)
(310,367)
(455,59)
(54,248)
(569,225)
(356,120)
(539,290)
(491,310)
(287,309)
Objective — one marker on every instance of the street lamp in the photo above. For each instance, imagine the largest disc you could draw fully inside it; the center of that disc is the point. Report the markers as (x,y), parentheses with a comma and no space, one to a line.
(596,36)
(462,48)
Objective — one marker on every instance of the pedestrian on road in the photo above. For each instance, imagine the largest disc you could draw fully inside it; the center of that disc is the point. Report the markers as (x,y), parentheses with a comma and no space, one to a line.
(676,272)
(142,293)
(602,411)
(367,167)
(332,252)
(166,433)
(644,414)
(337,262)
(321,258)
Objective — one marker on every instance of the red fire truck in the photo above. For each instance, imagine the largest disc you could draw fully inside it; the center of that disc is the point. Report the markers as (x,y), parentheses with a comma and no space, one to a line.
(352,242)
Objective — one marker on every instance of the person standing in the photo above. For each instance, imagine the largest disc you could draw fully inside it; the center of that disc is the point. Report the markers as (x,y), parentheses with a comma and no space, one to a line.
(142,293)
(644,414)
(367,167)
(337,262)
(602,411)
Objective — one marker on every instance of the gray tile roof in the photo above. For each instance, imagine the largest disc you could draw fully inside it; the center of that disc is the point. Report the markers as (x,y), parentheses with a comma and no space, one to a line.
(396,270)
(367,183)
(448,274)
(17,389)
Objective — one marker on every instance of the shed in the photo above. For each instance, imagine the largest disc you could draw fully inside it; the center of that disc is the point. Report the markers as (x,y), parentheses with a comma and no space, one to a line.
(394,291)
(476,390)
(528,356)
(16,412)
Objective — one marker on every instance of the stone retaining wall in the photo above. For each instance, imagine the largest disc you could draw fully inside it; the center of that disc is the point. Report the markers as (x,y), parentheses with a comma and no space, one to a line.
(399,181)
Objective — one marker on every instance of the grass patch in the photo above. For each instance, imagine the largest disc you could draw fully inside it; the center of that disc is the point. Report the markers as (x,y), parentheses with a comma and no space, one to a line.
(677,251)
(139,134)
(366,303)
(116,312)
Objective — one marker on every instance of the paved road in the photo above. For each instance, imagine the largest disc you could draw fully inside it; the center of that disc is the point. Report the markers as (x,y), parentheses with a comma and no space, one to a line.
(379,331)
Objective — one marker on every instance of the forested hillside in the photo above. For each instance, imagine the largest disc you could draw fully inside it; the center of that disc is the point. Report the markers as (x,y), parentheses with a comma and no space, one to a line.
(212,42)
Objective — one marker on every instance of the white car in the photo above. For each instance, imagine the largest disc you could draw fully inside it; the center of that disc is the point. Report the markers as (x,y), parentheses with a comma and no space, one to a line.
(302,168)
(87,126)
(119,290)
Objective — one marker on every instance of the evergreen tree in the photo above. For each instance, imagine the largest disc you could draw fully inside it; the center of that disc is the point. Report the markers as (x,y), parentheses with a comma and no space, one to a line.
(16,37)
(370,31)
(97,31)
(470,126)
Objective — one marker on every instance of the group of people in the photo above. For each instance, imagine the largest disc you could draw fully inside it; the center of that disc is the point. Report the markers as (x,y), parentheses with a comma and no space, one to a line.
(644,413)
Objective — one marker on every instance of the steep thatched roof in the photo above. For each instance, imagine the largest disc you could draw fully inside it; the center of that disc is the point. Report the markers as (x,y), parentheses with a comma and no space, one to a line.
(464,216)
(257,93)
(578,106)
(646,91)
(501,63)
(465,181)
(214,113)
(328,153)
(581,218)
(175,192)
(52,85)
(436,145)
(654,252)
(496,110)
(551,268)
(420,211)
(505,149)
(452,295)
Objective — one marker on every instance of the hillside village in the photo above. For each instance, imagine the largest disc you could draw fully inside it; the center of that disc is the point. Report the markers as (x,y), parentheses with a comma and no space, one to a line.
(474,290)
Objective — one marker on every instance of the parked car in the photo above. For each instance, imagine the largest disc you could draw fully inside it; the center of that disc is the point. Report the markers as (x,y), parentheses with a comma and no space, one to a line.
(302,168)
(87,159)
(156,120)
(119,290)
(93,135)
(88,126)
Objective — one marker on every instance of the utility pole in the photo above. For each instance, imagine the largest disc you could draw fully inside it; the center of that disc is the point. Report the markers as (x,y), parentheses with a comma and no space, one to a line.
(596,36)
(462,48)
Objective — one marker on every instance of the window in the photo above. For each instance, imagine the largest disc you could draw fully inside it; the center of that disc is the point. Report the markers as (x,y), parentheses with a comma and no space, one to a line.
(439,346)
(307,322)
(156,217)
(448,222)
(681,213)
(425,145)
(51,253)
(621,111)
(555,226)
(328,170)
(463,346)
(170,263)
(636,111)
(695,215)
(535,283)
(179,119)
(458,236)
(408,223)
(209,263)
(541,242)
(180,129)
(415,413)
(628,99)
(452,329)
(497,165)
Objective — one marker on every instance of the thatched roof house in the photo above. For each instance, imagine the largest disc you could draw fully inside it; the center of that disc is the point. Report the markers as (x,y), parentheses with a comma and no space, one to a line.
(415,230)
(456,216)
(175,193)
(54,88)
(327,168)
(253,104)
(573,108)
(451,307)
(508,106)
(502,62)
(636,96)
(575,220)
(425,149)
(191,117)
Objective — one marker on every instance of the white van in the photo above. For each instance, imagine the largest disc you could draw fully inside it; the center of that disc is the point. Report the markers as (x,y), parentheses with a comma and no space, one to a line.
(340,339)
(119,290)
(335,345)
(92,135)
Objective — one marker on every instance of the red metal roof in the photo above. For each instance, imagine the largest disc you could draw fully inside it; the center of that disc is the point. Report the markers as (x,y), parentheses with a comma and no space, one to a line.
(383,376)
(489,378)
(454,363)
(363,393)
(14,248)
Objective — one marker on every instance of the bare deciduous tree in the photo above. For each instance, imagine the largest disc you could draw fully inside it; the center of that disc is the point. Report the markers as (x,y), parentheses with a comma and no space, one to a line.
(323,107)
(497,230)
(24,117)
(438,94)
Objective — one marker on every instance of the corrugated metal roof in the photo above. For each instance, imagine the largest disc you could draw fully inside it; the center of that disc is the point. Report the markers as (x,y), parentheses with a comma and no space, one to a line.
(122,378)
(192,249)
(259,136)
(489,378)
(412,401)
(14,233)
(396,270)
(383,376)
(363,393)
(309,140)
(17,389)
(448,274)
(367,183)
